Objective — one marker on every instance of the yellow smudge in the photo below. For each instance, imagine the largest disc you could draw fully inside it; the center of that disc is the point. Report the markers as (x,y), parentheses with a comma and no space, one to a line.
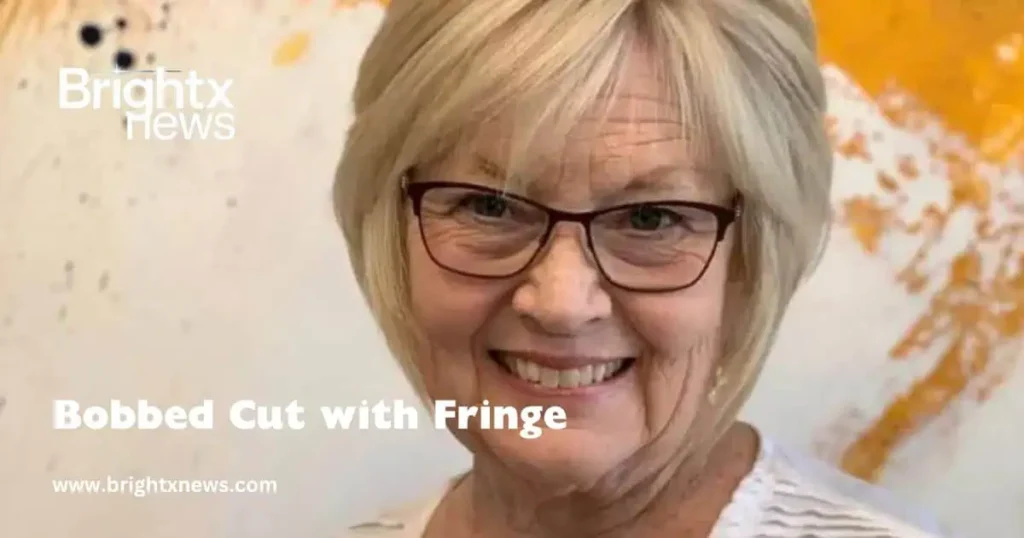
(291,49)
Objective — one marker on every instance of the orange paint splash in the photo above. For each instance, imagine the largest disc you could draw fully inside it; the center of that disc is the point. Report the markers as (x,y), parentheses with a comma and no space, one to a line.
(961,64)
(869,220)
(961,61)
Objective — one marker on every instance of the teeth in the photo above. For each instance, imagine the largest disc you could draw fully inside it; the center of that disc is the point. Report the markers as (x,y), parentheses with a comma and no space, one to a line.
(570,378)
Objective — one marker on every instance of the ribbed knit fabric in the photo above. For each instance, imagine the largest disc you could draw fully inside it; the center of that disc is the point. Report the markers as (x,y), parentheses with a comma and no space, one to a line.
(785,495)
(790,495)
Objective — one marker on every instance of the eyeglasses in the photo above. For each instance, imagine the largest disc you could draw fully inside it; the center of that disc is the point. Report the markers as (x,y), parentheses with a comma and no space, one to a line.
(643,247)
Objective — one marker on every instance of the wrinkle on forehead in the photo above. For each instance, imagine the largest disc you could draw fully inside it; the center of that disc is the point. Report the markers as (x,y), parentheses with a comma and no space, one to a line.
(638,123)
(629,149)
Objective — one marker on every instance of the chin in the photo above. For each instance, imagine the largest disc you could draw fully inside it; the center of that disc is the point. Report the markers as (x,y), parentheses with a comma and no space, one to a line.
(570,459)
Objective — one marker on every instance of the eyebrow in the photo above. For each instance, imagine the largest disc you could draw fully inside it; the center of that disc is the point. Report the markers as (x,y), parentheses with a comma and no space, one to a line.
(652,180)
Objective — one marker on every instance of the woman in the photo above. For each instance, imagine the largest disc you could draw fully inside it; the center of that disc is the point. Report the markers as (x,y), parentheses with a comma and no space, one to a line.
(603,205)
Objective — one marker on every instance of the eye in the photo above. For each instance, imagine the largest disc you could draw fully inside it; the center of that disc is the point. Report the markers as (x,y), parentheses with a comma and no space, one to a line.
(652,218)
(485,205)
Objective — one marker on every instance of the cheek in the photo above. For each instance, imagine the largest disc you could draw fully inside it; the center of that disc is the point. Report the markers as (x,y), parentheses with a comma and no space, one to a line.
(443,304)
(681,334)
(440,310)
(673,323)
(450,313)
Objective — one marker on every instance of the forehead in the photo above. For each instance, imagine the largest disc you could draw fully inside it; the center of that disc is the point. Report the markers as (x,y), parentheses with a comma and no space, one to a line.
(637,118)
(635,128)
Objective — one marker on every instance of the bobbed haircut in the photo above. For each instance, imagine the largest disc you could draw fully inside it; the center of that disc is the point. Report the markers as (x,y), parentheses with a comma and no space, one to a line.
(745,74)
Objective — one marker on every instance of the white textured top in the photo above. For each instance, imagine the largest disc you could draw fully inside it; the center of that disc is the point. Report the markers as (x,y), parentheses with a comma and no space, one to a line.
(785,495)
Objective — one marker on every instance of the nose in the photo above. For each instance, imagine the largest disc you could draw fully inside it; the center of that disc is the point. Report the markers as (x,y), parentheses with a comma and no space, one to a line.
(562,293)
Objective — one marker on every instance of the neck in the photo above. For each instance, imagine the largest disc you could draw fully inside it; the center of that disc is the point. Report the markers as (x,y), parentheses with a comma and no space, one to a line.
(674,493)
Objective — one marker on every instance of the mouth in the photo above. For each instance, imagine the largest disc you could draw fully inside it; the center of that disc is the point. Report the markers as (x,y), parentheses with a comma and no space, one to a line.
(587,375)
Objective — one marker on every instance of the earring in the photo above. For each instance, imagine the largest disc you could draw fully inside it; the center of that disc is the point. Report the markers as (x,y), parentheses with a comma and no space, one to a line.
(719,379)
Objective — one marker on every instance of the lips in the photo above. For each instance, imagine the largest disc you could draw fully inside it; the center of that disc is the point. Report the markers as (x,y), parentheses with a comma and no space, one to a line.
(547,376)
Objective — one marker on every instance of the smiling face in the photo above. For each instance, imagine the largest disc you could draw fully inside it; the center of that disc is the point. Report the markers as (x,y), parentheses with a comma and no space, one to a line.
(630,369)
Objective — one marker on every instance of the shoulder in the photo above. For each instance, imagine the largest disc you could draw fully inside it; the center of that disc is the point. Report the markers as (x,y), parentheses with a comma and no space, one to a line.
(802,493)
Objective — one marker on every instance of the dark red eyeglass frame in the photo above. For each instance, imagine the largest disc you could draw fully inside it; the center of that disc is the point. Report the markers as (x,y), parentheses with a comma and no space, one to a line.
(725,216)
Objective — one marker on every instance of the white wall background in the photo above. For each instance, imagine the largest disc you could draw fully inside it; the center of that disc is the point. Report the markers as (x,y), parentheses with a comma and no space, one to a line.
(177,272)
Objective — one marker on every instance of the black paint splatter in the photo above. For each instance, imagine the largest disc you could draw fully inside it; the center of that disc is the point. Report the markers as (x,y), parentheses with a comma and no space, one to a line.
(166,9)
(124,59)
(121,23)
(90,35)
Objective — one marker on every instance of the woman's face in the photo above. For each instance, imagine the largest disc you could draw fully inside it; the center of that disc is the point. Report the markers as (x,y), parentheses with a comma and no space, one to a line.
(628,368)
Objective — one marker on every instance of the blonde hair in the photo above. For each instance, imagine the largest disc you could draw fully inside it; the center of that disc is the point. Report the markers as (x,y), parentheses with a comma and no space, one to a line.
(745,72)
